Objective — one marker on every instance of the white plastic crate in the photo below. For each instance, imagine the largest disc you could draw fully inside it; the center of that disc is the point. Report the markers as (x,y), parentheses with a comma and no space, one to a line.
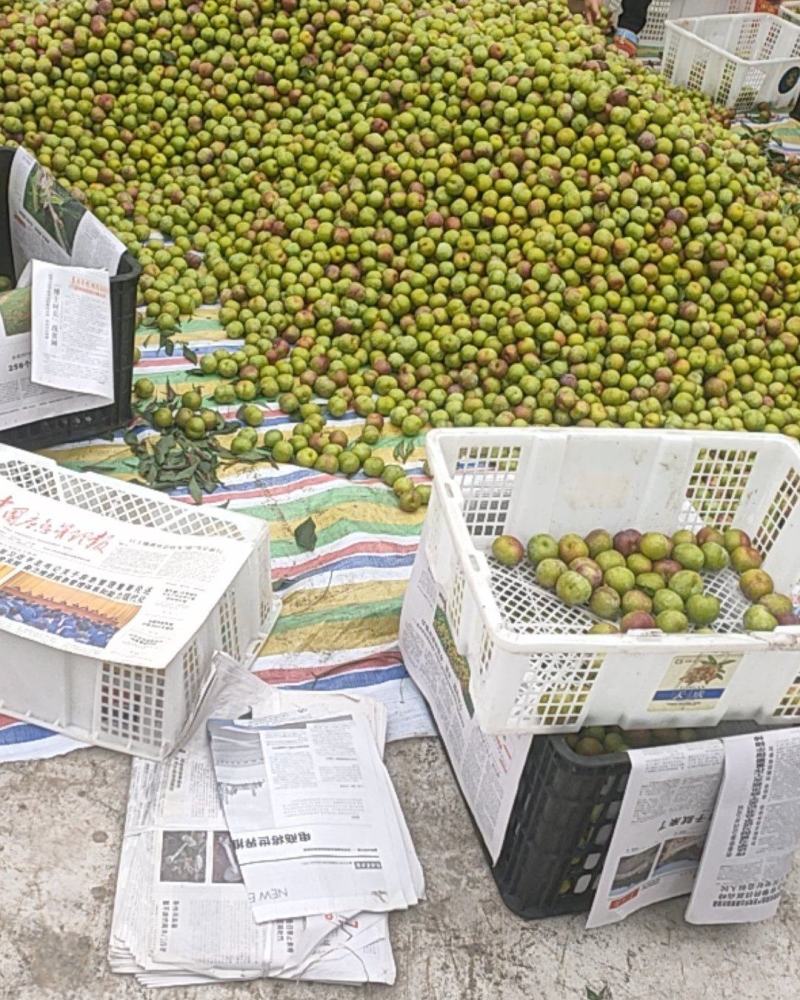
(660,11)
(739,60)
(137,710)
(790,11)
(532,666)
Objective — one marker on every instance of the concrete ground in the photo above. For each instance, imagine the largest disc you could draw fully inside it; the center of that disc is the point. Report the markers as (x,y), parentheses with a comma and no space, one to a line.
(60,835)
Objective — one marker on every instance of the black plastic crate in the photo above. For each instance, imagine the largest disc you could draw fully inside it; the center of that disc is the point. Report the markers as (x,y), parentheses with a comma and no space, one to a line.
(102,419)
(561,825)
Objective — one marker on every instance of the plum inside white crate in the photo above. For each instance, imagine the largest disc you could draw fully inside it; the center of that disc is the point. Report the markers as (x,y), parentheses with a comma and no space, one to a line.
(137,709)
(532,666)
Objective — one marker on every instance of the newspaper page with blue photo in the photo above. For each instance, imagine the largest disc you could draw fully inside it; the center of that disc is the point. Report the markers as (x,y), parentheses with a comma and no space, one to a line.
(661,828)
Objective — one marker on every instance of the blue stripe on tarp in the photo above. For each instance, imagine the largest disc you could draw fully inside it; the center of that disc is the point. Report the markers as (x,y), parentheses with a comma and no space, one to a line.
(25,732)
(358,678)
(356,562)
(693,695)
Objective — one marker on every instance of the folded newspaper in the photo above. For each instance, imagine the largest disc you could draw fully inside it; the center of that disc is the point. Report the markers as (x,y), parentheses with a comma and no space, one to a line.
(314,818)
(183,914)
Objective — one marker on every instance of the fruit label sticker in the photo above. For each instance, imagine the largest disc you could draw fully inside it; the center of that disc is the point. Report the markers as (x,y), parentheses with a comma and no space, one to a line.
(691,682)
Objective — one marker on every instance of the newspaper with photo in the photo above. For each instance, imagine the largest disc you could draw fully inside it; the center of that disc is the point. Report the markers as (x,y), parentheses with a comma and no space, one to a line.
(182,914)
(488,768)
(658,838)
(754,831)
(48,223)
(314,818)
(89,584)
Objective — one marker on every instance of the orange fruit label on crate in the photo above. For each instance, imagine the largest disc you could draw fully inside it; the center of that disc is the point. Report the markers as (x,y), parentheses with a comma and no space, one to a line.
(691,682)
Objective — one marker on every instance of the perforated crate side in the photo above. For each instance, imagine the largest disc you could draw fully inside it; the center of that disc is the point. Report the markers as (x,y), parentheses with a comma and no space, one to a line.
(559,829)
(484,475)
(40,478)
(131,707)
(144,508)
(229,625)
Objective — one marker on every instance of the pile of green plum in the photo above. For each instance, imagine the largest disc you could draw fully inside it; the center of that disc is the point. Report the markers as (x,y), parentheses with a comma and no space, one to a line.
(593,741)
(633,580)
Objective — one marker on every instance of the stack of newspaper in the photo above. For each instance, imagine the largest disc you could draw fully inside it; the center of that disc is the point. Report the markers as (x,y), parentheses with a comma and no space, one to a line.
(294,878)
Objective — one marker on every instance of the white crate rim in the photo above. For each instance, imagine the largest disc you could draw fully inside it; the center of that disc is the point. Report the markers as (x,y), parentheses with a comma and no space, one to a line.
(679,27)
(475,573)
(523,481)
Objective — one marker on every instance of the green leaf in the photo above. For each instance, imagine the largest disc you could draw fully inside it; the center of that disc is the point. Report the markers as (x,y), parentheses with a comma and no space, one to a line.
(171,394)
(169,347)
(403,449)
(195,491)
(176,461)
(179,477)
(163,448)
(131,439)
(305,535)
(189,354)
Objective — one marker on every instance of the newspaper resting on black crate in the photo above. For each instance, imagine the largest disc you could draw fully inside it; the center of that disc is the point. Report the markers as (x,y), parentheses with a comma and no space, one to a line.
(90,584)
(754,832)
(56,340)
(182,913)
(719,819)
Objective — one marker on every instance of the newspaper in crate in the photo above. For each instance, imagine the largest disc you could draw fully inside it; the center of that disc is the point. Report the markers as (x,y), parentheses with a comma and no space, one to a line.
(488,768)
(48,223)
(658,837)
(182,913)
(89,584)
(754,831)
(56,344)
(314,818)
(71,338)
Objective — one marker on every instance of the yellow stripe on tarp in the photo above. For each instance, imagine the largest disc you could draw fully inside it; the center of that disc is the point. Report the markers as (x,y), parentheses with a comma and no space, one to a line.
(309,600)
(372,515)
(334,636)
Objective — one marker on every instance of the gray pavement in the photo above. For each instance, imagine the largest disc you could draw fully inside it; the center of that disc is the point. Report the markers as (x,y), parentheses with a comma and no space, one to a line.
(60,832)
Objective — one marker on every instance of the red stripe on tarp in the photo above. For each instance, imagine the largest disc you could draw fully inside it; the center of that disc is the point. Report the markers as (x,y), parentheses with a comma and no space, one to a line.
(357,548)
(295,675)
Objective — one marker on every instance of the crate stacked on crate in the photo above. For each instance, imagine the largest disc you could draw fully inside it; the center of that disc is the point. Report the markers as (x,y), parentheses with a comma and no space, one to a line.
(740,61)
(790,11)
(651,37)
(134,708)
(534,667)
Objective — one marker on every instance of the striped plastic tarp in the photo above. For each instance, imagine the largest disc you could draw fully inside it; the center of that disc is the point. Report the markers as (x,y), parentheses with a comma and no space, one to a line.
(341,601)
